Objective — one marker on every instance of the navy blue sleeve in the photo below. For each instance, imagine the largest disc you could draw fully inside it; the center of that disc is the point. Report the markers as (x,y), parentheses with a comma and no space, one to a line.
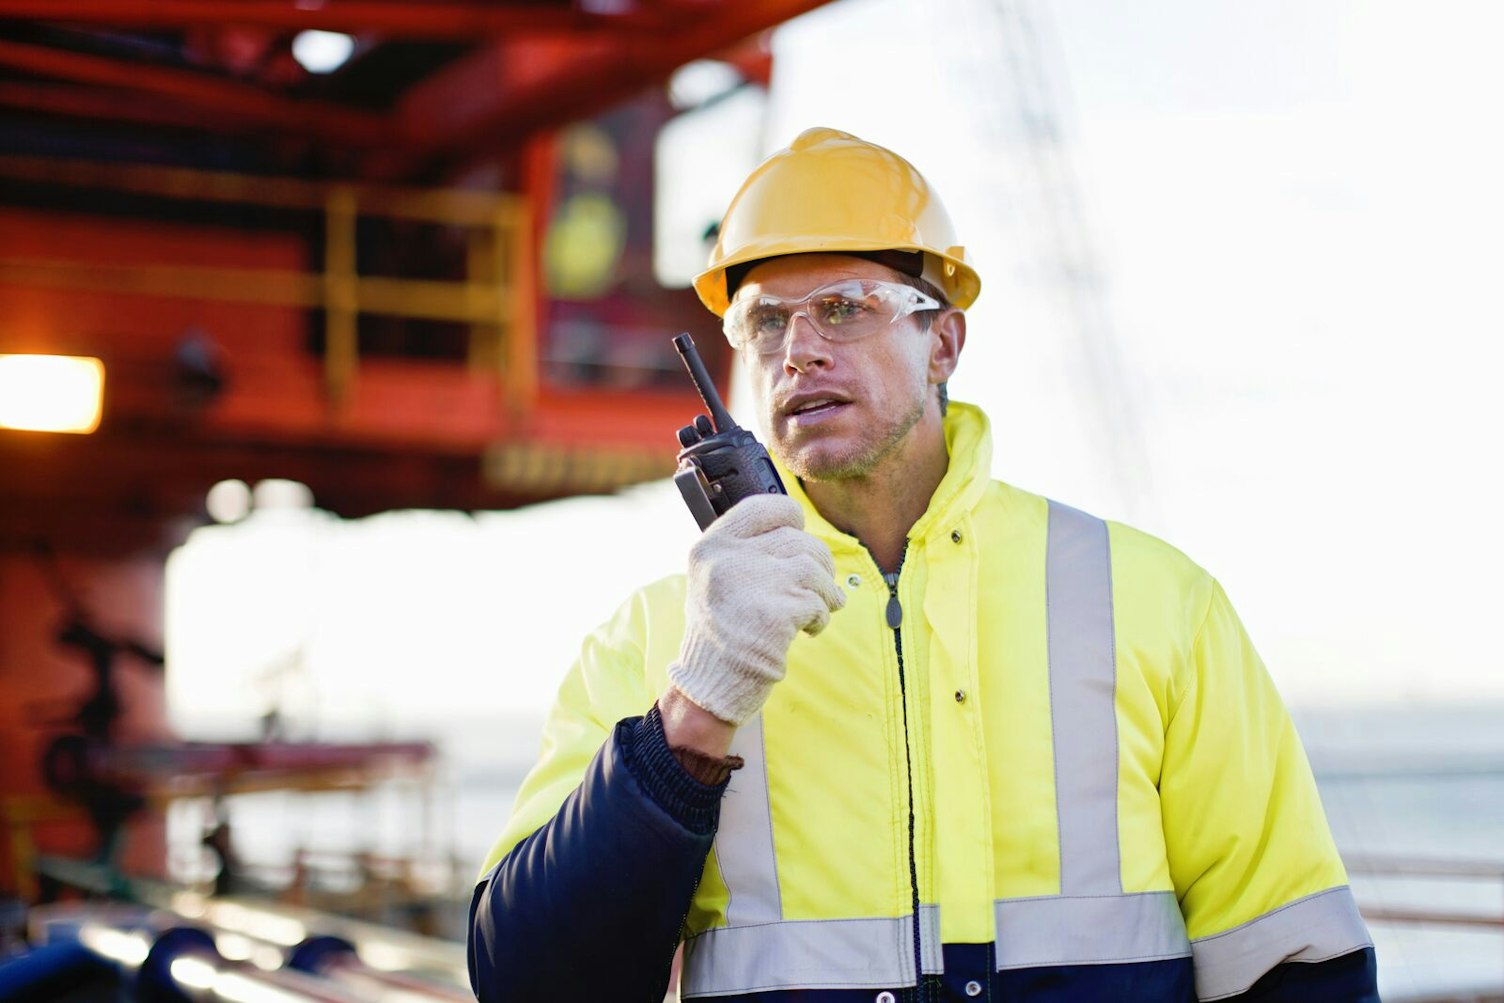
(1347,978)
(591,906)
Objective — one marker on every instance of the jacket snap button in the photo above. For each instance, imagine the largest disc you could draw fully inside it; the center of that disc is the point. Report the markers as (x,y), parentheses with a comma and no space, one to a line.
(885,997)
(955,536)
(960,696)
(853,580)
(973,988)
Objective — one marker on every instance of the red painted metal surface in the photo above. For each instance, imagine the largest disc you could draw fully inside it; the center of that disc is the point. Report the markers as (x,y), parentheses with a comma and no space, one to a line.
(437,20)
(55,100)
(227,98)
(199,83)
(508,89)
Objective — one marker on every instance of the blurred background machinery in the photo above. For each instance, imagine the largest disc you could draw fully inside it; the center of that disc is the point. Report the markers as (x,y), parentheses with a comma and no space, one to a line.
(400,254)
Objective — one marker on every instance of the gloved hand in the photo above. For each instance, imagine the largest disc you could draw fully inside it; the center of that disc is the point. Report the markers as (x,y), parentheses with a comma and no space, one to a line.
(755,578)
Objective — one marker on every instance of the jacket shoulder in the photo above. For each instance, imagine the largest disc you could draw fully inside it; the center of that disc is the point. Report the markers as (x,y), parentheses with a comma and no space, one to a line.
(1143,560)
(1139,560)
(1160,596)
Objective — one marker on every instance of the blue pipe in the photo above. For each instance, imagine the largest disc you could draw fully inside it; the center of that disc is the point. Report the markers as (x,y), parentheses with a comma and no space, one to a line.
(315,954)
(47,973)
(154,982)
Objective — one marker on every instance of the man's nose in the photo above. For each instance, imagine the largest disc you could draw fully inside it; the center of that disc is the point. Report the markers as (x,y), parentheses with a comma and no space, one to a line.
(804,346)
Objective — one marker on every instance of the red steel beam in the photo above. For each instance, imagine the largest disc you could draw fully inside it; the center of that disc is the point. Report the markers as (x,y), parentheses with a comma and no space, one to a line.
(223,97)
(504,92)
(71,101)
(436,20)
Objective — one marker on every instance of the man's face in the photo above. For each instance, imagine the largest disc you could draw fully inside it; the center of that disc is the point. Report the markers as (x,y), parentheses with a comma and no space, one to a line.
(833,410)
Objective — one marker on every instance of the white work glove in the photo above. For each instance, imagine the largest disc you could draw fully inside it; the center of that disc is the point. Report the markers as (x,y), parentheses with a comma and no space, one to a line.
(755,578)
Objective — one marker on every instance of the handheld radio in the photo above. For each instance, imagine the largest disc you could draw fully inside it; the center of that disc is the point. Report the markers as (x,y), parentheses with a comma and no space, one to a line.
(720,463)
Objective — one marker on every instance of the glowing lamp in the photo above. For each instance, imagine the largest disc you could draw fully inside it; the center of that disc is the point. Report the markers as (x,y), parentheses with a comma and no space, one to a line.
(51,393)
(322,51)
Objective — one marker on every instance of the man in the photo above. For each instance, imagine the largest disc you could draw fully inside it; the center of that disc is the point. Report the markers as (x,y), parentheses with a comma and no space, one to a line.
(910,734)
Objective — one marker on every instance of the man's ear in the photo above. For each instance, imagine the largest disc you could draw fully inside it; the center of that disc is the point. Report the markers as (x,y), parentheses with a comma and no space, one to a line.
(947,338)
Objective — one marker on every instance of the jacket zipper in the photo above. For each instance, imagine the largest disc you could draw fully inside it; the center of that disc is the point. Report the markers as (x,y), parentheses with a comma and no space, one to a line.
(894,614)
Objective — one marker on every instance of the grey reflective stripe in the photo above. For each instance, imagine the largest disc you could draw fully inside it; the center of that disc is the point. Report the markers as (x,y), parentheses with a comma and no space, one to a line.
(1092,921)
(757,949)
(933,958)
(1314,928)
(808,954)
(744,841)
(1059,930)
(1083,716)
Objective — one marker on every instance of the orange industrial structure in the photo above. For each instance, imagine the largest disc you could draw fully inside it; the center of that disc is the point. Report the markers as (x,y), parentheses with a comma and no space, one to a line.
(421,280)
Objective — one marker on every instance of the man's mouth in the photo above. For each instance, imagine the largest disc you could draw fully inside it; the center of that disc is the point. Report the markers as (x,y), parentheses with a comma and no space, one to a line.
(816,406)
(806,410)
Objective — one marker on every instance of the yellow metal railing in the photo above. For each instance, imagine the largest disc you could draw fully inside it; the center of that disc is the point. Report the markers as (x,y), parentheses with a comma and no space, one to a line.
(20,815)
(495,298)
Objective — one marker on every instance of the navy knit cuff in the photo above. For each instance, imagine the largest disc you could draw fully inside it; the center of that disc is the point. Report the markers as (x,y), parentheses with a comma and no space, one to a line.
(694,805)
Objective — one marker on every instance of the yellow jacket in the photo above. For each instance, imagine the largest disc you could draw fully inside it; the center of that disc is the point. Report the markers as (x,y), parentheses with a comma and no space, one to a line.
(1099,767)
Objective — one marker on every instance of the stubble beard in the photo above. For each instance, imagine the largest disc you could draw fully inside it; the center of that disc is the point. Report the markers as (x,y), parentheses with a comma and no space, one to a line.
(815,465)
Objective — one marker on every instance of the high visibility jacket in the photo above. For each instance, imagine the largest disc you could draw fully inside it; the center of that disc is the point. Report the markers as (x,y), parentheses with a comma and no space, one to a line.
(1046,734)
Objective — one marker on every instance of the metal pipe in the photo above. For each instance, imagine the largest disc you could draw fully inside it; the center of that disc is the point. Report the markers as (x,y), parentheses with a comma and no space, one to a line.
(183,964)
(336,959)
(287,927)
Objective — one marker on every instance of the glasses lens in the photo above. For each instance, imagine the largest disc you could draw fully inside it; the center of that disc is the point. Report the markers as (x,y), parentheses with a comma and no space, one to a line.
(841,311)
(761,323)
(852,310)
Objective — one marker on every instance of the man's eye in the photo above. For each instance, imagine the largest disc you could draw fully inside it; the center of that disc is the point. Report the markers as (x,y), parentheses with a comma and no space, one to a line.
(837,310)
(768,321)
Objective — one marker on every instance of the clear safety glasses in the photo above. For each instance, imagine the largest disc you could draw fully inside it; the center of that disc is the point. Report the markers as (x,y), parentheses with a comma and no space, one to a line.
(848,310)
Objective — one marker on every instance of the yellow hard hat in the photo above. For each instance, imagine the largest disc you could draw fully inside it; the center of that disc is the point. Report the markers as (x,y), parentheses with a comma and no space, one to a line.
(831,192)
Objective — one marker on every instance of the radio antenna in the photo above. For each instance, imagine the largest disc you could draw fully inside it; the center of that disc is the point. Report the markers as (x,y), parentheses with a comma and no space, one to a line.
(703,383)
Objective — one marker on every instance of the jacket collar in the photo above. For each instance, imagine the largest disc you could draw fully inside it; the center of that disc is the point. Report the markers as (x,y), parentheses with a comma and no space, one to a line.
(968,439)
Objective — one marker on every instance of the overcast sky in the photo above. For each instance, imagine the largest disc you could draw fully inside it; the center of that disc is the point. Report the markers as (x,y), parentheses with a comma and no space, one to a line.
(1297,210)
(1302,208)
(1288,367)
